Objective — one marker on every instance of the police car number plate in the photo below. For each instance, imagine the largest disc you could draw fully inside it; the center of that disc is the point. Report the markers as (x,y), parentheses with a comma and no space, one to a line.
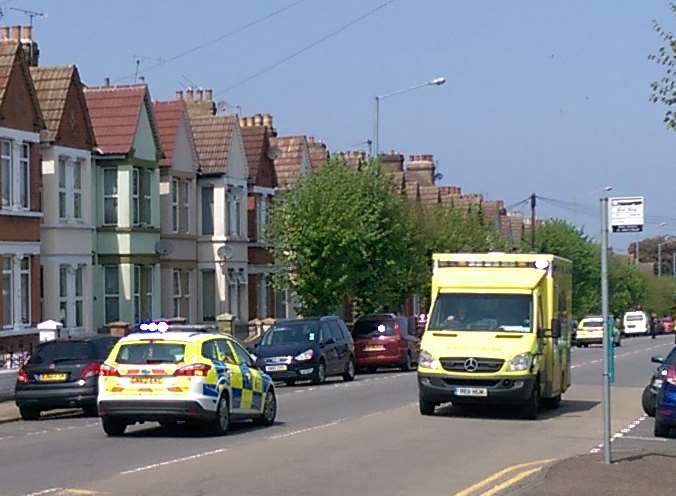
(275,368)
(470,391)
(146,380)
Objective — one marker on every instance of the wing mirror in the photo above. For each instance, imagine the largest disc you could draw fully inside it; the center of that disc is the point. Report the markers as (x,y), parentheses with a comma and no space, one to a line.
(657,359)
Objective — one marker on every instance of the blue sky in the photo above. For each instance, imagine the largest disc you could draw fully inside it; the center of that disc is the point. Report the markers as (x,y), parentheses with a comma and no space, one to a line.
(547,97)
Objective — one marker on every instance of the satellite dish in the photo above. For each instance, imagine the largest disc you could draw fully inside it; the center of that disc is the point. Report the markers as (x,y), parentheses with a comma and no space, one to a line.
(163,247)
(273,152)
(225,252)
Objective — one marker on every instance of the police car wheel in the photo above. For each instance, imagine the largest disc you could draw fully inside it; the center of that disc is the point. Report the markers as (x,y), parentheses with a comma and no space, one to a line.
(269,411)
(221,423)
(113,427)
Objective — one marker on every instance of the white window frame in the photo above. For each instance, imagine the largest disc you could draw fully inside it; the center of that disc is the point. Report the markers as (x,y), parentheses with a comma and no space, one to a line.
(262,295)
(175,217)
(135,197)
(6,176)
(68,189)
(5,272)
(181,293)
(15,175)
(238,212)
(108,296)
(185,188)
(142,292)
(24,176)
(203,213)
(114,197)
(213,289)
(72,299)
(19,271)
(146,194)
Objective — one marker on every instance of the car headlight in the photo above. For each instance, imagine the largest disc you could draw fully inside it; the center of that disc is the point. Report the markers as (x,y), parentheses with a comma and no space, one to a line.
(306,355)
(427,361)
(520,362)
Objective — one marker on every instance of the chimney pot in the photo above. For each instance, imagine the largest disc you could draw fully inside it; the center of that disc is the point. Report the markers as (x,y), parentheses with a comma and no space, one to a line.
(106,82)
(4,31)
(27,33)
(179,94)
(16,33)
(242,122)
(267,120)
(209,95)
(199,95)
(258,120)
(189,94)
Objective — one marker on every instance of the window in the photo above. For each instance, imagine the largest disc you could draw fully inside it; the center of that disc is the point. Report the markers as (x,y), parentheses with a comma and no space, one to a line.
(225,352)
(241,293)
(181,284)
(244,357)
(208,210)
(262,295)
(184,196)
(232,292)
(234,211)
(112,293)
(146,196)
(70,189)
(7,292)
(261,216)
(208,296)
(6,178)
(238,213)
(24,175)
(174,205)
(335,331)
(70,295)
(135,187)
(110,196)
(209,350)
(142,293)
(482,312)
(25,290)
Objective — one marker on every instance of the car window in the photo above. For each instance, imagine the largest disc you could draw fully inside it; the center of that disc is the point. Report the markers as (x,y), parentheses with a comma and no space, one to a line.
(335,331)
(373,327)
(209,350)
(64,351)
(150,352)
(346,333)
(671,358)
(291,333)
(244,357)
(225,352)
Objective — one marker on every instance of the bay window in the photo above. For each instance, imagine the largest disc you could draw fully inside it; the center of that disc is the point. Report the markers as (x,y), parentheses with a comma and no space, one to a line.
(6,178)
(174,205)
(208,210)
(16,291)
(70,189)
(71,295)
(15,174)
(111,293)
(184,196)
(208,295)
(181,284)
(143,292)
(110,196)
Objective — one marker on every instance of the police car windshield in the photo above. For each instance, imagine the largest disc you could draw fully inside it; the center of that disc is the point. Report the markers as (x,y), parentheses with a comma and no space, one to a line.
(147,353)
(292,333)
(482,312)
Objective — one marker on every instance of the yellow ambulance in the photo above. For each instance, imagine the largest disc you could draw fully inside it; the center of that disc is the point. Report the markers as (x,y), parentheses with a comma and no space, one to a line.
(499,332)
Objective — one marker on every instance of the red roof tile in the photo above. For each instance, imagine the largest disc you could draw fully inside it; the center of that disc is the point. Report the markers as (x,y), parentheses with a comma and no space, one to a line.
(255,146)
(10,52)
(168,117)
(319,154)
(115,113)
(213,140)
(290,153)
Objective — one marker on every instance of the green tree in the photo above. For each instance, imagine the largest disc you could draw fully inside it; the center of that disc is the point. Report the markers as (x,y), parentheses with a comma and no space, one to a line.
(659,297)
(342,235)
(664,89)
(627,287)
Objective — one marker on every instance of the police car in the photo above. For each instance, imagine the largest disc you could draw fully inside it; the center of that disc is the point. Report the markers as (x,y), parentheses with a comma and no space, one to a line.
(181,373)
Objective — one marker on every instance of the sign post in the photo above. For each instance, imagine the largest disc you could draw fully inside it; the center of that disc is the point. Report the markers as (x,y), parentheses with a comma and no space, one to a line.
(626,215)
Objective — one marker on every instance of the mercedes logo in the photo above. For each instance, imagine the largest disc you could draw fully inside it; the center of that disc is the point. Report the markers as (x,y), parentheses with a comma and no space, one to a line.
(471,365)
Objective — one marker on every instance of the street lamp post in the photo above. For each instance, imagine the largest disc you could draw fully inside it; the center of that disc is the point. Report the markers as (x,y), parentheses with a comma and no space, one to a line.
(376,124)
(667,239)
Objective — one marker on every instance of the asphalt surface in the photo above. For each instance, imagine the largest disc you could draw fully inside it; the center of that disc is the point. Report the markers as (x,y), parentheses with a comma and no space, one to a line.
(362,437)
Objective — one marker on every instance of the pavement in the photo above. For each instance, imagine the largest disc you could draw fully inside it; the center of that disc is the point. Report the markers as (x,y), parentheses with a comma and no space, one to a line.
(362,437)
(7,381)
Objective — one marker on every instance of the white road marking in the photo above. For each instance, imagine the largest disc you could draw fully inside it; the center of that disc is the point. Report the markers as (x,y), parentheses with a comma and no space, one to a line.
(307,429)
(622,434)
(172,462)
(46,491)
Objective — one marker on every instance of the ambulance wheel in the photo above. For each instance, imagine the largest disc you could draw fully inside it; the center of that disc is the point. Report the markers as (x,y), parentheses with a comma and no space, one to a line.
(221,422)
(552,403)
(269,410)
(532,407)
(113,427)
(426,407)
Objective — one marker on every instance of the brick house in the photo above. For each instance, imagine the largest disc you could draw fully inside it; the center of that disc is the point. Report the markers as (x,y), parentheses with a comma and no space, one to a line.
(127,283)
(178,201)
(68,227)
(20,204)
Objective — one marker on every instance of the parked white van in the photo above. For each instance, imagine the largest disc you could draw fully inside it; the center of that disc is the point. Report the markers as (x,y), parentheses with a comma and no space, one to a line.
(636,323)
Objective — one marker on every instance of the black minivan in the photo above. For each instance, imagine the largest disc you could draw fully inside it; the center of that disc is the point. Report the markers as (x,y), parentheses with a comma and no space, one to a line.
(307,350)
(62,374)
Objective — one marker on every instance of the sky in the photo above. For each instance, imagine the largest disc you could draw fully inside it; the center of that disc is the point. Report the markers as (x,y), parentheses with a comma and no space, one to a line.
(541,97)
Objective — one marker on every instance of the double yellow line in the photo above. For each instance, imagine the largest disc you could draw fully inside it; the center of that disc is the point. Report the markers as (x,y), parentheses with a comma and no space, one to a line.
(524,470)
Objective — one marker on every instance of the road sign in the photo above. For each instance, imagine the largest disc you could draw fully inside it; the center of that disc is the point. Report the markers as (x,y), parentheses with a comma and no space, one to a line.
(626,214)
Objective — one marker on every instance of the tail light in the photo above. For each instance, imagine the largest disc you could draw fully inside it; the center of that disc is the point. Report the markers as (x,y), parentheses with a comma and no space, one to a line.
(671,375)
(22,377)
(108,371)
(91,370)
(193,370)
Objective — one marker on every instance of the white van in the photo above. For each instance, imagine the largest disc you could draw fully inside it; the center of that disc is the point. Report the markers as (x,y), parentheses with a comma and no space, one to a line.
(636,323)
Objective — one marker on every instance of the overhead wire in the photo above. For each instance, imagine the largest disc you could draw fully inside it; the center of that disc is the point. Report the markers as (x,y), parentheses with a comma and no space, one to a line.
(307,47)
(218,39)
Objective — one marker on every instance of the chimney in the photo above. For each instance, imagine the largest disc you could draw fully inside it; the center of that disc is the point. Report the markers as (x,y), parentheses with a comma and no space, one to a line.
(421,169)
(267,120)
(258,120)
(189,94)
(199,95)
(242,122)
(392,162)
(27,33)
(179,94)
(4,33)
(208,95)
(24,35)
(106,82)
(16,33)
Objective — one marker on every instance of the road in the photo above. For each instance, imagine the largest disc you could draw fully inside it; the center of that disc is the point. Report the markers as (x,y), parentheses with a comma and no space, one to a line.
(340,438)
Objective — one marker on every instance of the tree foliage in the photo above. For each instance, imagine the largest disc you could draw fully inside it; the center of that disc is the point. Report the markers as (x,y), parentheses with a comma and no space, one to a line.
(344,235)
(664,89)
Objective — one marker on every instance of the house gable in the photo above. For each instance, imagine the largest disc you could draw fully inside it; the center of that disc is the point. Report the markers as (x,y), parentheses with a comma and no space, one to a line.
(75,128)
(184,157)
(20,108)
(237,164)
(144,145)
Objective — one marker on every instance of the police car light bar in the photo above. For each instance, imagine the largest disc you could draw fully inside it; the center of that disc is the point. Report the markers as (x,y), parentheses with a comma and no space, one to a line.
(161,327)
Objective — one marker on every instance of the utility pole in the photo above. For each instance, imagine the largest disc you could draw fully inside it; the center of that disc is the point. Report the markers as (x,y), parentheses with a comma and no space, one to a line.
(638,246)
(533,202)
(673,264)
(659,259)
(606,330)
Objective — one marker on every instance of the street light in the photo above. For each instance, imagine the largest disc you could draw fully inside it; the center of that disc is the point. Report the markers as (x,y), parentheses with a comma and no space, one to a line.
(376,132)
(666,239)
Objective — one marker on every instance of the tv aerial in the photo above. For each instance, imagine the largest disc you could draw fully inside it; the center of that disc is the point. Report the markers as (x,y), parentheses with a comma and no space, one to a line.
(31,14)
